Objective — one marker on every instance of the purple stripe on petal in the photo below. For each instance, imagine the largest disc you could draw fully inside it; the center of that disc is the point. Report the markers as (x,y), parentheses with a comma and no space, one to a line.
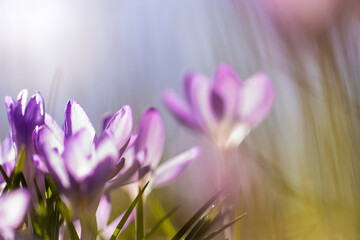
(34,112)
(21,100)
(217,105)
(179,109)
(76,119)
(151,136)
(172,168)
(256,99)
(227,86)
(105,120)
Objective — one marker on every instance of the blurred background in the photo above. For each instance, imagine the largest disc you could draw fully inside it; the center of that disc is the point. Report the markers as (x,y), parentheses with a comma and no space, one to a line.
(299,169)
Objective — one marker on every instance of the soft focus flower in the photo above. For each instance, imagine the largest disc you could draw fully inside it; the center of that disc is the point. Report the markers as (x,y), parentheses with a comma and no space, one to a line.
(13,207)
(23,118)
(311,14)
(7,157)
(226,109)
(147,150)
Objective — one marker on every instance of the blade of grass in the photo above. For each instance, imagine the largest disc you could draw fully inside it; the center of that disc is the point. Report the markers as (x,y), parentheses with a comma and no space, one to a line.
(213,234)
(6,178)
(161,221)
(193,219)
(127,213)
(15,176)
(158,212)
(207,216)
(140,220)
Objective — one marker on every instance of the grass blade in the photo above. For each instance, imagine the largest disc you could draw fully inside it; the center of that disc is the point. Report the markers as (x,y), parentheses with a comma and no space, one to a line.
(127,213)
(3,173)
(158,212)
(161,221)
(207,216)
(193,219)
(140,220)
(213,234)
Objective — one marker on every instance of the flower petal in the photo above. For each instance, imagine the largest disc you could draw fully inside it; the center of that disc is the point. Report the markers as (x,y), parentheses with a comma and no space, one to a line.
(79,155)
(45,136)
(151,136)
(172,168)
(256,99)
(13,207)
(227,86)
(34,112)
(198,91)
(54,127)
(40,164)
(120,126)
(21,100)
(56,166)
(76,119)
(179,109)
(105,120)
(103,212)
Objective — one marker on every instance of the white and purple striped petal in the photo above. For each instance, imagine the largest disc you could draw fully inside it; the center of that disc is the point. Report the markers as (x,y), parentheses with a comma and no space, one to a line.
(256,99)
(168,171)
(76,119)
(150,136)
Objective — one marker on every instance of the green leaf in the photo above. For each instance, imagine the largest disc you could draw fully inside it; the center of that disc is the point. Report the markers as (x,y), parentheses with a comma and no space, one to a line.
(207,216)
(6,178)
(15,177)
(193,219)
(158,211)
(161,221)
(20,162)
(127,213)
(140,220)
(213,234)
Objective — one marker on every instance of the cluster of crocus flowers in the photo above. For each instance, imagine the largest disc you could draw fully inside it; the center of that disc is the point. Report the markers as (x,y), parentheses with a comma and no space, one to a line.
(226,109)
(83,166)
(70,170)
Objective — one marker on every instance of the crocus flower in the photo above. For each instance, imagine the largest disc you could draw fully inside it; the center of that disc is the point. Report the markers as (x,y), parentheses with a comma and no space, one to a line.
(79,163)
(7,157)
(23,119)
(13,207)
(226,109)
(147,150)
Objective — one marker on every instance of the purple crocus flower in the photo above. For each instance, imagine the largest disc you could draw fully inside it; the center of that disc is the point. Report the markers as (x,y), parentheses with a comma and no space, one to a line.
(79,163)
(147,150)
(226,109)
(23,119)
(7,157)
(13,207)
